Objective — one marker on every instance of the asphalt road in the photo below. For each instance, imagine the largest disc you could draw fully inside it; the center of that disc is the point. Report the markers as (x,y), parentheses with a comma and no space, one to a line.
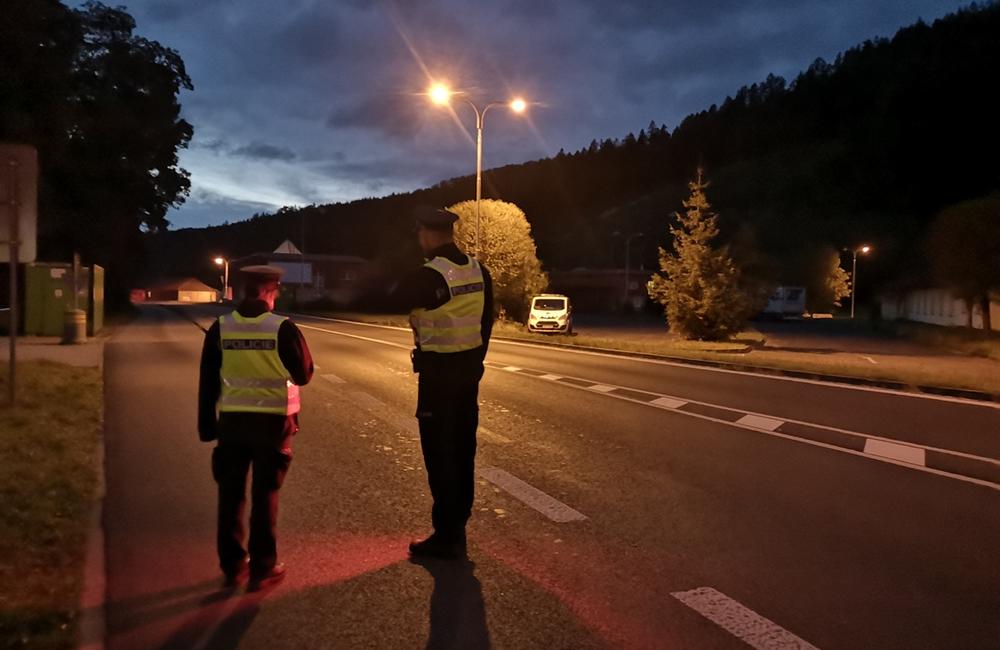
(621,503)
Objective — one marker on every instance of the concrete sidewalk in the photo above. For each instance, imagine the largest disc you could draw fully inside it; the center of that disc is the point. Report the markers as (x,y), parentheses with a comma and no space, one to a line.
(33,348)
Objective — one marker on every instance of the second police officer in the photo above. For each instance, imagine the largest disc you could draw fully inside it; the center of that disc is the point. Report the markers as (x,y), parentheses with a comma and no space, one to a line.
(450,299)
(253,362)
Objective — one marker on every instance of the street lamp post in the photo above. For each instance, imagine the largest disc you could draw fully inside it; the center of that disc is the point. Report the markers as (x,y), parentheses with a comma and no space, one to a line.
(628,245)
(854,272)
(441,95)
(224,263)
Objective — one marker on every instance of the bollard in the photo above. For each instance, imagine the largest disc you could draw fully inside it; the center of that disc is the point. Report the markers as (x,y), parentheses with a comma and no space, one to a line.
(74,326)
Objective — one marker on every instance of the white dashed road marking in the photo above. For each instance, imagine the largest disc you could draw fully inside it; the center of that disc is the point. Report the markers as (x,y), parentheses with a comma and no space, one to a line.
(742,622)
(551,377)
(552,508)
(355,336)
(333,379)
(761,422)
(668,402)
(512,369)
(974,469)
(895,451)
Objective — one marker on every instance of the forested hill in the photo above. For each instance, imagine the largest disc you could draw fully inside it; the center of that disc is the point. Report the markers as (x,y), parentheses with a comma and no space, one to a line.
(868,147)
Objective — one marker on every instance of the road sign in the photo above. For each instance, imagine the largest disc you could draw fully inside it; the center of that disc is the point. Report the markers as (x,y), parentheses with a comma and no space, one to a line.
(18,200)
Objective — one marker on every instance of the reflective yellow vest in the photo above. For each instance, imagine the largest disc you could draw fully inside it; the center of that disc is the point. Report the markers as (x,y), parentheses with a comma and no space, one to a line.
(456,325)
(254,380)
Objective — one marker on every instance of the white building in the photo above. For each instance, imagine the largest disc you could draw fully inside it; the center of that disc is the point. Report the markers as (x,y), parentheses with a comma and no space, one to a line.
(938,307)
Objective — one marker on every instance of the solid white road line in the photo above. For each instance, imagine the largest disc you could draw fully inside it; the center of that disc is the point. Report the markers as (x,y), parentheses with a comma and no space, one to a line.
(760,422)
(353,322)
(758,375)
(894,450)
(676,364)
(552,508)
(670,403)
(355,336)
(740,621)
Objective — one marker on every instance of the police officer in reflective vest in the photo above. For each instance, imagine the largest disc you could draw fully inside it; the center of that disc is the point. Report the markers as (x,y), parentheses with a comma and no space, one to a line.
(252,364)
(451,303)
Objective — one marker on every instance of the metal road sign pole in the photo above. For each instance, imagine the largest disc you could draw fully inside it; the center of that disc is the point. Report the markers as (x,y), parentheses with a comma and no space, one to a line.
(13,242)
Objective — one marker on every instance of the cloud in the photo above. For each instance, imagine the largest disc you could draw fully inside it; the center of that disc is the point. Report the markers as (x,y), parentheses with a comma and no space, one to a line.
(320,101)
(264,151)
(395,115)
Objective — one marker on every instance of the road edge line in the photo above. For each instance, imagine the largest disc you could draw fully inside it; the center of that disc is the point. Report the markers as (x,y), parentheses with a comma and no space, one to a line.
(890,387)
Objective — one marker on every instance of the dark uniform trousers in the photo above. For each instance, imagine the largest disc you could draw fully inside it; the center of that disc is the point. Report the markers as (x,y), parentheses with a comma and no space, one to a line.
(270,456)
(448,413)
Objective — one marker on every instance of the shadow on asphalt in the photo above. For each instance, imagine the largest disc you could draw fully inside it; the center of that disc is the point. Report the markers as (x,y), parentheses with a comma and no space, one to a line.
(224,617)
(221,616)
(458,613)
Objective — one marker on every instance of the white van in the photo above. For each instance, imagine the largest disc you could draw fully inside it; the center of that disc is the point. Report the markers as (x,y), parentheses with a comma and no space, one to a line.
(550,312)
(786,302)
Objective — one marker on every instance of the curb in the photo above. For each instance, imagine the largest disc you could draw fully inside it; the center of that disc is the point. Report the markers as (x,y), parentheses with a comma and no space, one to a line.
(946,391)
(93,626)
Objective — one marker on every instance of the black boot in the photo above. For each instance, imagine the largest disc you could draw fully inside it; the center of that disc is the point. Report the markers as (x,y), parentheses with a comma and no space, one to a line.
(440,545)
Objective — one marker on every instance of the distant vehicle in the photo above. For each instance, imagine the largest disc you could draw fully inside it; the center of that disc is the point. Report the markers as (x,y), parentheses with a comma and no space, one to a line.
(550,312)
(786,301)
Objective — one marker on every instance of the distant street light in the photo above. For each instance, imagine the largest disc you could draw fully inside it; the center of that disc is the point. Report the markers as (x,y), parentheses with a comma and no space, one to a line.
(854,272)
(441,95)
(224,263)
(628,244)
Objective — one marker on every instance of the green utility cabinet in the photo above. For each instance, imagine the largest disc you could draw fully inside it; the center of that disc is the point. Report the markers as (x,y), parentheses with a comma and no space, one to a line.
(49,294)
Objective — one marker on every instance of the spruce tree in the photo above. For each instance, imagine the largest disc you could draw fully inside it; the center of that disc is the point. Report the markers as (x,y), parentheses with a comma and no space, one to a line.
(698,285)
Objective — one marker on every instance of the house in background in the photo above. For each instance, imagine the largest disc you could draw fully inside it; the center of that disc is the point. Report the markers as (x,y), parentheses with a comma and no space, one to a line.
(937,307)
(183,290)
(312,277)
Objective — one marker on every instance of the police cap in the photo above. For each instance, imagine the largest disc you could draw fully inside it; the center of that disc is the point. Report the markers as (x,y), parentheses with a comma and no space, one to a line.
(434,218)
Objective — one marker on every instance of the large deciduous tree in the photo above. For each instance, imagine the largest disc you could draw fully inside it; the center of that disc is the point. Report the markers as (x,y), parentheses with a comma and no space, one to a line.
(699,285)
(963,245)
(100,104)
(817,268)
(506,248)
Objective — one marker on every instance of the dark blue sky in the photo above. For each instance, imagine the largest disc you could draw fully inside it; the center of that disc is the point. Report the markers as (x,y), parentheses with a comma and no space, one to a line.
(311,101)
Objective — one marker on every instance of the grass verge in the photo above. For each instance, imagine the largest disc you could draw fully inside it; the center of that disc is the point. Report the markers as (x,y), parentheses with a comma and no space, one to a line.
(48,481)
(973,343)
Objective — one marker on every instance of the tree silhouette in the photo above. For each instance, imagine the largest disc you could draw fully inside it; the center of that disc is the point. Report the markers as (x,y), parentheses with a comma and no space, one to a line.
(964,249)
(100,104)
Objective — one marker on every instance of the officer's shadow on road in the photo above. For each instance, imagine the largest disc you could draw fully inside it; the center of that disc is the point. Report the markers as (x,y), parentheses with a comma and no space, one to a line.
(206,615)
(223,618)
(458,613)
